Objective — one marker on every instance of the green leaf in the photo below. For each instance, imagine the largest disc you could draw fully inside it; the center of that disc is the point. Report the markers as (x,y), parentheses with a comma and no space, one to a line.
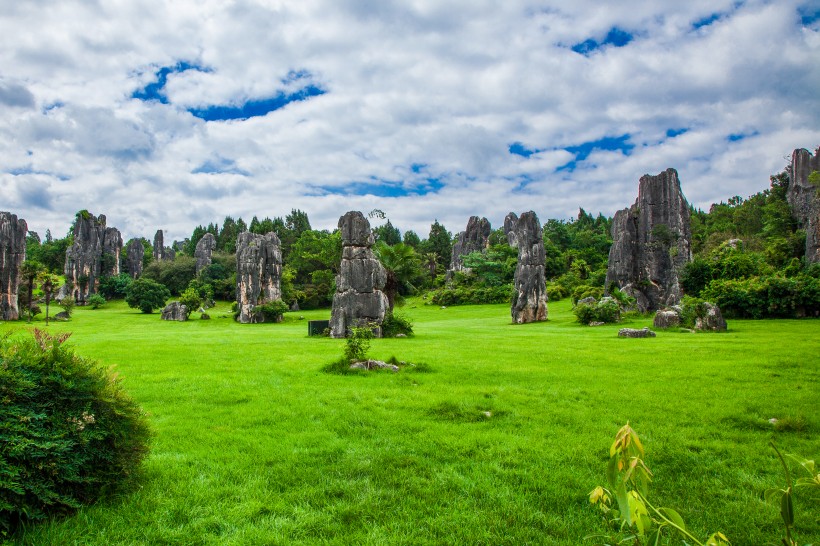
(787,507)
(673,516)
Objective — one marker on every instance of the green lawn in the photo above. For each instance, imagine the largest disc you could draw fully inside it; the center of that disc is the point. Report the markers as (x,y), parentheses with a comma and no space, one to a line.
(500,442)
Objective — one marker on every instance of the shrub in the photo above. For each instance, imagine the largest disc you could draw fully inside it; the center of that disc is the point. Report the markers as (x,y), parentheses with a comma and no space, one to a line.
(358,343)
(191,299)
(70,434)
(472,295)
(585,291)
(96,301)
(691,309)
(395,324)
(116,286)
(273,311)
(556,292)
(605,310)
(146,295)
(764,297)
(67,304)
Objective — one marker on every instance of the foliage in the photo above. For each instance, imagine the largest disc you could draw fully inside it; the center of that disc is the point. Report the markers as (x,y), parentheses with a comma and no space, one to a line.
(692,309)
(174,274)
(395,324)
(191,299)
(585,291)
(273,311)
(387,234)
(440,242)
(314,260)
(69,432)
(95,301)
(411,238)
(766,297)
(471,295)
(401,263)
(604,310)
(115,286)
(495,267)
(628,478)
(786,495)
(146,295)
(29,273)
(67,303)
(357,343)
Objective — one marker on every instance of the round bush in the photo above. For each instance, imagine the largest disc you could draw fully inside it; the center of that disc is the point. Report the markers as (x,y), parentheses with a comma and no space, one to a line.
(68,432)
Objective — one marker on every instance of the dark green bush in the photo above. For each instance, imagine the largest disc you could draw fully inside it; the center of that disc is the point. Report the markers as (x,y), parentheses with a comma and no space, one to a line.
(585,291)
(96,301)
(472,295)
(146,295)
(605,310)
(115,287)
(765,297)
(692,309)
(395,324)
(273,311)
(69,434)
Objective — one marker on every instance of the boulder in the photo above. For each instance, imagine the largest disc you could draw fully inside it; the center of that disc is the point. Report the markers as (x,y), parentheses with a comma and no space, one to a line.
(13,233)
(204,249)
(712,320)
(589,300)
(476,238)
(530,303)
(175,311)
(373,365)
(94,254)
(62,316)
(651,243)
(804,200)
(359,299)
(134,255)
(258,273)
(666,319)
(205,316)
(633,332)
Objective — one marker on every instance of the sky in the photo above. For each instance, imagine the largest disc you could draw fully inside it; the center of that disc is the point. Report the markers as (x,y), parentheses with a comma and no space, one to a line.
(168,115)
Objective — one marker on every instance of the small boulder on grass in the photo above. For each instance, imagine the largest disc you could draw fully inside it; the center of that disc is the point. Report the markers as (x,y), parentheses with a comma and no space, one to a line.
(175,311)
(633,332)
(668,318)
(711,319)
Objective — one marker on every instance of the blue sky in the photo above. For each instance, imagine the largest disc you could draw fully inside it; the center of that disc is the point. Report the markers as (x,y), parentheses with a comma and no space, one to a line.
(171,115)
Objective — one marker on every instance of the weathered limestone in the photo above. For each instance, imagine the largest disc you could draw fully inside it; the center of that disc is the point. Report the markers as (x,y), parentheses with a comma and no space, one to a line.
(204,249)
(94,254)
(804,201)
(476,238)
(633,332)
(712,320)
(160,251)
(651,243)
(258,273)
(530,305)
(666,319)
(175,311)
(12,255)
(134,254)
(359,299)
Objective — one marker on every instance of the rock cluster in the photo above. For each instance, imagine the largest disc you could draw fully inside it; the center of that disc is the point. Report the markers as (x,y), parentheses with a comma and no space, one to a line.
(204,249)
(162,252)
(94,254)
(175,311)
(634,332)
(13,233)
(476,238)
(134,254)
(804,200)
(530,303)
(359,299)
(651,243)
(258,273)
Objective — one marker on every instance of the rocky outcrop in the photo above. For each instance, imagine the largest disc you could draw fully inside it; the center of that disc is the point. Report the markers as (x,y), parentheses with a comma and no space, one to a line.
(711,320)
(175,311)
(94,254)
(804,200)
(476,238)
(530,303)
(651,243)
(160,251)
(666,319)
(258,273)
(634,332)
(204,249)
(13,233)
(359,299)
(134,254)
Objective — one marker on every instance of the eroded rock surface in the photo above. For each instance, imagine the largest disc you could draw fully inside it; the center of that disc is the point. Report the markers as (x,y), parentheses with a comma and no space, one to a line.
(476,238)
(134,254)
(175,311)
(804,200)
(666,319)
(204,249)
(94,254)
(634,332)
(530,304)
(712,320)
(258,273)
(359,299)
(651,243)
(13,233)
(162,252)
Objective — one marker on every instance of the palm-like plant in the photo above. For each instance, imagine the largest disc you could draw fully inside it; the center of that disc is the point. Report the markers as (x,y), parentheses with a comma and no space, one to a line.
(402,265)
(30,270)
(430,261)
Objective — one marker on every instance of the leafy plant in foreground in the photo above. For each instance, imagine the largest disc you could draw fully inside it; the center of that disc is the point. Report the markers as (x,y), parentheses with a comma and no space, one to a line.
(628,478)
(787,494)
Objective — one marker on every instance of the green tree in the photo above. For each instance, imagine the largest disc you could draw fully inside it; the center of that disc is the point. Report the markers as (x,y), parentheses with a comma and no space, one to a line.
(402,266)
(411,238)
(30,271)
(439,241)
(146,295)
(387,233)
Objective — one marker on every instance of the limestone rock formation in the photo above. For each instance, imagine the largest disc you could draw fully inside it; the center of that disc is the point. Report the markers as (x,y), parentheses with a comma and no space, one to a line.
(359,299)
(133,261)
(530,304)
(666,319)
(258,273)
(13,233)
(634,332)
(204,249)
(476,238)
(651,243)
(94,254)
(804,200)
(175,311)
(712,320)
(160,251)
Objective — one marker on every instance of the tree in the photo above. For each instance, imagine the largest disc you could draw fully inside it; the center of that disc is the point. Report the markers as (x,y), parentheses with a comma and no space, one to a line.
(411,238)
(146,295)
(402,266)
(439,241)
(387,233)
(29,271)
(430,261)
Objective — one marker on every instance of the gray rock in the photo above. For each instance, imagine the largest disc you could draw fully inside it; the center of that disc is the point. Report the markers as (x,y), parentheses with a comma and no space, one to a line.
(175,311)
(713,320)
(476,238)
(597,323)
(651,243)
(666,319)
(205,316)
(62,316)
(258,273)
(804,201)
(530,303)
(162,252)
(13,233)
(134,255)
(204,249)
(359,299)
(589,300)
(373,365)
(294,306)
(94,254)
(632,332)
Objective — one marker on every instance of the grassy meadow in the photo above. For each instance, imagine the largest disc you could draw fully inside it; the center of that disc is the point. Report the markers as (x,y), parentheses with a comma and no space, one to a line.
(497,440)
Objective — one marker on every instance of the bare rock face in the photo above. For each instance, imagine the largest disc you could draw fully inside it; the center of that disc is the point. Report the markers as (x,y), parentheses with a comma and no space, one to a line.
(651,243)
(530,305)
(258,273)
(666,319)
(359,299)
(175,311)
(12,255)
(204,249)
(133,261)
(94,254)
(160,251)
(712,320)
(804,201)
(476,238)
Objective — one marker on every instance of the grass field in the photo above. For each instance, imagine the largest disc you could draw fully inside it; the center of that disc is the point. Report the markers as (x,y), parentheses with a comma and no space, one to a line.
(499,442)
